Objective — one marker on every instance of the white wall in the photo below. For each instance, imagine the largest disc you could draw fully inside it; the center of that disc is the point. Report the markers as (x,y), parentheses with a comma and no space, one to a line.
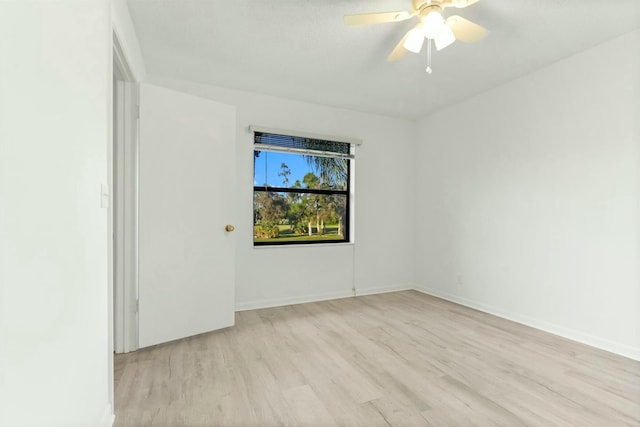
(529,199)
(381,258)
(54,124)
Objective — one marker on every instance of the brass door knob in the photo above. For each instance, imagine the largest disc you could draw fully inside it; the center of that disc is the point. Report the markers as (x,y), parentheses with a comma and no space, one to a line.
(229,228)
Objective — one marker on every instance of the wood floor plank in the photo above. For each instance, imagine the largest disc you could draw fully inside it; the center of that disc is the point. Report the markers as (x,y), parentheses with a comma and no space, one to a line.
(396,359)
(307,408)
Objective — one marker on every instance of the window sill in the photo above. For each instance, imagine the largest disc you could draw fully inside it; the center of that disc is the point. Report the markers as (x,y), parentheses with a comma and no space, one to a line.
(309,245)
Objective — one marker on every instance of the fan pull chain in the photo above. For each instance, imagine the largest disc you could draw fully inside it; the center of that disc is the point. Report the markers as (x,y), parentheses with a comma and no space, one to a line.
(429,70)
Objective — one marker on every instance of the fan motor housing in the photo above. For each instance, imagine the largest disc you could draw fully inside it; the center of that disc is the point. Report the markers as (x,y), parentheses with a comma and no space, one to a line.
(422,5)
(425,7)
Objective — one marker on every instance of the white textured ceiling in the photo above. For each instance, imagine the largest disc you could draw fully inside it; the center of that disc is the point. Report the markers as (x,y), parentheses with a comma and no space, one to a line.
(300,49)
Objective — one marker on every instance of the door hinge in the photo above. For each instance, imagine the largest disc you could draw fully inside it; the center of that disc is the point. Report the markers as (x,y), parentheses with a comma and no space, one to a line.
(137,306)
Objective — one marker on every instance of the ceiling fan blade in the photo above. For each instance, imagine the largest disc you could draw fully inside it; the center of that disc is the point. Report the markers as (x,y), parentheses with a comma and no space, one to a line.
(461,4)
(376,18)
(466,30)
(399,51)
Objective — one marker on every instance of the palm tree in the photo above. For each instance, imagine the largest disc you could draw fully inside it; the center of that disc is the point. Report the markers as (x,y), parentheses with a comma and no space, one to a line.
(332,170)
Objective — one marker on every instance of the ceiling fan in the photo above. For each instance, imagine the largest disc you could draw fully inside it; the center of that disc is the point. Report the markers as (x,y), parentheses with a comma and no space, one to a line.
(432,25)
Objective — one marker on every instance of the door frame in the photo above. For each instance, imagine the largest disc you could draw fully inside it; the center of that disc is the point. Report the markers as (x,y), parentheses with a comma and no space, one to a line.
(124,208)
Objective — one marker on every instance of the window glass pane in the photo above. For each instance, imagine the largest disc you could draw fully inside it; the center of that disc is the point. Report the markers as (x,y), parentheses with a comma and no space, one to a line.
(290,170)
(286,217)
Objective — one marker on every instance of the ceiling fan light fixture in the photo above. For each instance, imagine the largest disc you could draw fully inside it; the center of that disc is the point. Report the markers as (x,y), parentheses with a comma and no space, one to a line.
(433,24)
(414,40)
(444,38)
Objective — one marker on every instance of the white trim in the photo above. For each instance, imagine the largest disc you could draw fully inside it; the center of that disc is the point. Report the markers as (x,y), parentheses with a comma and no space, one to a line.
(118,212)
(317,153)
(120,58)
(125,204)
(131,200)
(299,247)
(572,334)
(353,141)
(108,417)
(383,289)
(279,302)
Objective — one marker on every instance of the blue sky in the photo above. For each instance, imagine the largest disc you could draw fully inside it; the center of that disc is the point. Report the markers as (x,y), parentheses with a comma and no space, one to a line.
(268,166)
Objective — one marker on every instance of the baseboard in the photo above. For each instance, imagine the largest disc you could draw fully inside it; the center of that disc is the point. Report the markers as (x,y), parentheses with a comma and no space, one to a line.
(108,417)
(581,337)
(279,302)
(384,289)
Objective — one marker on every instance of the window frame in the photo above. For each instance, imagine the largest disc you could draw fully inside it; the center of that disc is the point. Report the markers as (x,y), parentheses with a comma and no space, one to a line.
(347,225)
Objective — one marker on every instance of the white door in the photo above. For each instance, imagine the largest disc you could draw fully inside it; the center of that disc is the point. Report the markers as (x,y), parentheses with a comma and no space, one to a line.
(186,184)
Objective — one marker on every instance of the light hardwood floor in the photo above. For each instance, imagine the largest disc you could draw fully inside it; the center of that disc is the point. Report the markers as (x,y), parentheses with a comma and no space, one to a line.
(399,359)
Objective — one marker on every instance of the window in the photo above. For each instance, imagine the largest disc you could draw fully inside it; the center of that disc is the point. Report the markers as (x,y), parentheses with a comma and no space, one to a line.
(301,190)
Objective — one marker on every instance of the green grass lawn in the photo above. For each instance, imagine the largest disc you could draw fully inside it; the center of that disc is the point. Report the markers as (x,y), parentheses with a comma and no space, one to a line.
(287,235)
(298,237)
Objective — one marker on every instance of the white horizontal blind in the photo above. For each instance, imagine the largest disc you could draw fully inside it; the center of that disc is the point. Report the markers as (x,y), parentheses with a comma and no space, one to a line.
(268,139)
(263,129)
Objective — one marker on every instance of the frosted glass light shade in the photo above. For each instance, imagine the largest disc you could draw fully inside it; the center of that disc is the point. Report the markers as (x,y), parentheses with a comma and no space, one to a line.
(444,37)
(433,24)
(414,40)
